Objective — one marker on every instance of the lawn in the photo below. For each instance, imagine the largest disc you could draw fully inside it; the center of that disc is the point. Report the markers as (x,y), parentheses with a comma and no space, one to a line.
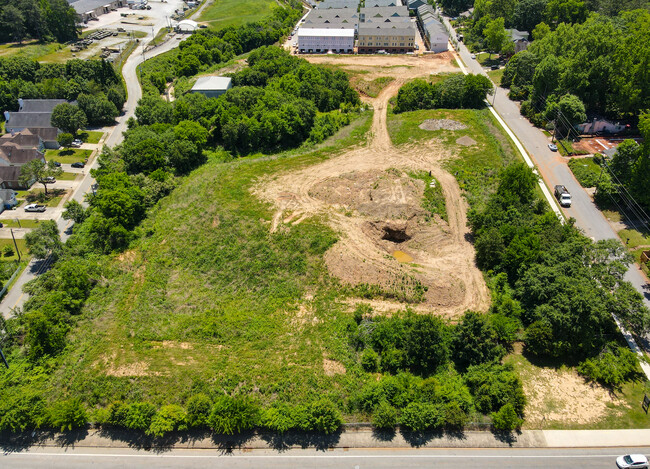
(10,242)
(19,223)
(477,165)
(566,148)
(67,176)
(90,136)
(31,49)
(68,156)
(586,171)
(222,13)
(495,75)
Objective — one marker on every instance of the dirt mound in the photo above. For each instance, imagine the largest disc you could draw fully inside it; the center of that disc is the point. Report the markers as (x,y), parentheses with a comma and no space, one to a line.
(442,124)
(466,141)
(367,196)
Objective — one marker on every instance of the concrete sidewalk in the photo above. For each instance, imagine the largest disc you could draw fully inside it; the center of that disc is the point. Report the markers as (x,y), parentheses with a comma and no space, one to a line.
(354,438)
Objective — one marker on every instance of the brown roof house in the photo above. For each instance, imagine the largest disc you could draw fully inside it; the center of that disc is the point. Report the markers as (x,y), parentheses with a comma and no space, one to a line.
(35,115)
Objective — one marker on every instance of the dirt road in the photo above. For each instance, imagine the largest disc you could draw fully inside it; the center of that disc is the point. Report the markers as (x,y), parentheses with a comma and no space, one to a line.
(368,197)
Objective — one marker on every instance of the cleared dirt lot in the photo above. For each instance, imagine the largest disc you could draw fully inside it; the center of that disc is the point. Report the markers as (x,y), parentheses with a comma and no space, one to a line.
(366,195)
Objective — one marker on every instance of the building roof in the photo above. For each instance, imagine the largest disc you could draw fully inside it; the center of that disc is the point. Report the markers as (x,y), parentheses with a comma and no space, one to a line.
(517,35)
(381,30)
(422,9)
(40,105)
(187,24)
(23,139)
(390,19)
(84,6)
(328,4)
(9,173)
(212,83)
(332,13)
(311,32)
(13,154)
(20,120)
(47,134)
(384,11)
(382,3)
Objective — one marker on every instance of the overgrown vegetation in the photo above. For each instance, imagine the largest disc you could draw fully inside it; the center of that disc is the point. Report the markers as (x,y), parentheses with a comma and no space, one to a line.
(45,20)
(454,92)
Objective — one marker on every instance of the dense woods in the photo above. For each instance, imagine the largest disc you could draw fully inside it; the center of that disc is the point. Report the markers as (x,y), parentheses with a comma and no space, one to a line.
(45,20)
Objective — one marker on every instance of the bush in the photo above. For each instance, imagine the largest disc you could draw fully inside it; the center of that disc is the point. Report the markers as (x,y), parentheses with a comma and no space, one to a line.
(138,416)
(506,419)
(322,416)
(369,360)
(232,415)
(418,417)
(68,414)
(8,250)
(384,416)
(279,418)
(198,410)
(21,412)
(168,419)
(612,367)
(454,416)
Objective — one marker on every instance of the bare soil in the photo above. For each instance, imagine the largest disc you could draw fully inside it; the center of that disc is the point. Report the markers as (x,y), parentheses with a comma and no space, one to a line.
(440,124)
(367,197)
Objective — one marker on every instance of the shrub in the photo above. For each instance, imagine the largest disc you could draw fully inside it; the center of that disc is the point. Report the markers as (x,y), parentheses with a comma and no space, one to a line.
(22,411)
(198,410)
(369,360)
(279,418)
(322,416)
(139,416)
(168,419)
(8,250)
(232,415)
(506,419)
(612,367)
(68,414)
(384,416)
(454,416)
(419,416)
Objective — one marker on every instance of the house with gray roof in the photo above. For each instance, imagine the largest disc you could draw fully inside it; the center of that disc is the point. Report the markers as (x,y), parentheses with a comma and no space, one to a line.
(413,5)
(35,115)
(382,3)
(212,87)
(377,13)
(520,38)
(87,9)
(328,4)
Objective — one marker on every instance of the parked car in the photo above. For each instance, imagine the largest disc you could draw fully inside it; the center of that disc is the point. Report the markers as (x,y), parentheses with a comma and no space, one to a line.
(473,56)
(76,143)
(49,180)
(34,208)
(552,146)
(494,67)
(563,196)
(78,164)
(632,461)
(56,163)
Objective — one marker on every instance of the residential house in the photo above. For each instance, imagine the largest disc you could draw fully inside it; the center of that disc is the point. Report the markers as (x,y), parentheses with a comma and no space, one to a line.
(433,31)
(334,18)
(10,178)
(35,115)
(328,4)
(7,198)
(212,87)
(389,38)
(520,38)
(413,5)
(312,40)
(382,3)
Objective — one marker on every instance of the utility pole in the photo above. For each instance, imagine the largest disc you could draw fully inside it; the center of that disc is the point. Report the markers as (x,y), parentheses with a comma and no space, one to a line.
(15,245)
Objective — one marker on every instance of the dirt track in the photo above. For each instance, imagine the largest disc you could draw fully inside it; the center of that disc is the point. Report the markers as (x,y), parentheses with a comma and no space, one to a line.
(382,213)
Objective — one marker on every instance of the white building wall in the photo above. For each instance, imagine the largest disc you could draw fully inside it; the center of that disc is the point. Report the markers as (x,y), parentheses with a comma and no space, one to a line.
(325,43)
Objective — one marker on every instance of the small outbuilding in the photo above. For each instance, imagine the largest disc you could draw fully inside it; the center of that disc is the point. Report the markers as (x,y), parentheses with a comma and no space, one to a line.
(187,26)
(212,87)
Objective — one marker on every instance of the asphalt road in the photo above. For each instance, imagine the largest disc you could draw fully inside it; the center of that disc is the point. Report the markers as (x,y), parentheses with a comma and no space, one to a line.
(554,169)
(70,458)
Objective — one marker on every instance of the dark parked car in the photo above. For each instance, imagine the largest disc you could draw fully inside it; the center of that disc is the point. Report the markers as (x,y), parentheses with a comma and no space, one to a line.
(78,164)
(56,163)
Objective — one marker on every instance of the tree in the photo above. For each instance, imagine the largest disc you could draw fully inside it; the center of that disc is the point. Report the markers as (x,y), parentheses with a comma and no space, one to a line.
(68,118)
(38,171)
(624,161)
(506,419)
(495,34)
(566,11)
(13,22)
(475,341)
(540,31)
(528,14)
(74,211)
(45,240)
(384,416)
(65,139)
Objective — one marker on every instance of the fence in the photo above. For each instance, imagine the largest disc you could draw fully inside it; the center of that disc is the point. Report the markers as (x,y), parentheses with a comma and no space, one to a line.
(11,279)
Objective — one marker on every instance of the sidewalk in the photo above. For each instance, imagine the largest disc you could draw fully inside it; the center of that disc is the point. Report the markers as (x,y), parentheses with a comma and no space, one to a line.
(353,438)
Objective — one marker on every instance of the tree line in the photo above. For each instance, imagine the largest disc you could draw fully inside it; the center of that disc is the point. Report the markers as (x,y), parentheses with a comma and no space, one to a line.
(560,285)
(454,92)
(44,20)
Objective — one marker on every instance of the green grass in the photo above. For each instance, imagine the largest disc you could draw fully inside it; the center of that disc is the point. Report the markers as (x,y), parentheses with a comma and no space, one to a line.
(68,156)
(586,171)
(636,238)
(434,199)
(91,136)
(210,283)
(223,13)
(476,167)
(495,75)
(9,242)
(374,87)
(31,49)
(161,35)
(19,223)
(566,148)
(67,176)
(486,60)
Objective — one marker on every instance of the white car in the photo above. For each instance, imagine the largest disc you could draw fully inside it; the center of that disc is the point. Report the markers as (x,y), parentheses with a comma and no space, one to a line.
(632,461)
(34,208)
(473,56)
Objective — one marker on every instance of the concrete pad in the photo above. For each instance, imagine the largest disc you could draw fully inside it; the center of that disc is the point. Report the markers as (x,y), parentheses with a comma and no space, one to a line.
(596,438)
